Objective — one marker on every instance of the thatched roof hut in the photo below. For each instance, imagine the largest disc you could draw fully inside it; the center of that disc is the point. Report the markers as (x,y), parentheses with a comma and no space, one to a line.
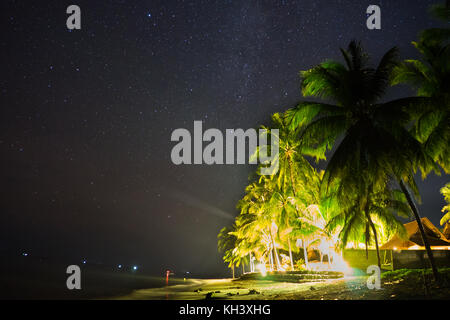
(436,238)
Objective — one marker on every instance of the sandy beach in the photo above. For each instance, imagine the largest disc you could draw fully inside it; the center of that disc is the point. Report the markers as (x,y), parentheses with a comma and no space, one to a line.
(228,289)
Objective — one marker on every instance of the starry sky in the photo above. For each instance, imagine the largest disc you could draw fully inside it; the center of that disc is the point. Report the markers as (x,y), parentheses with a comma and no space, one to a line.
(87,115)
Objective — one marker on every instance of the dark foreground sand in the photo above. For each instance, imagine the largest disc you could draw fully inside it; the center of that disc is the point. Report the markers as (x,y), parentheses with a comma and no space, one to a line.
(352,288)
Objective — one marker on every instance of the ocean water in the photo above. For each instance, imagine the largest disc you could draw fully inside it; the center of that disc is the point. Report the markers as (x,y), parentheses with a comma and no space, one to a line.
(27,278)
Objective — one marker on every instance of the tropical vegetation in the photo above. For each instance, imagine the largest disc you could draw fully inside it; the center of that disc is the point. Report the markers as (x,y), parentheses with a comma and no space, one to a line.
(372,149)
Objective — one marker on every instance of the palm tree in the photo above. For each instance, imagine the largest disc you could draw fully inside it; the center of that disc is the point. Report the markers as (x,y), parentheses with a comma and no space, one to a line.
(440,12)
(356,217)
(226,244)
(307,225)
(431,77)
(235,249)
(373,140)
(283,208)
(256,221)
(293,167)
(292,175)
(313,226)
(446,209)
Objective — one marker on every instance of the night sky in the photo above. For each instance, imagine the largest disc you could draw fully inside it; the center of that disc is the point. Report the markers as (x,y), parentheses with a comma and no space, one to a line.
(87,115)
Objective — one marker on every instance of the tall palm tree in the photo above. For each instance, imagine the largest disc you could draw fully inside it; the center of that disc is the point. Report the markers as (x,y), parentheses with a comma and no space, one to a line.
(373,141)
(293,173)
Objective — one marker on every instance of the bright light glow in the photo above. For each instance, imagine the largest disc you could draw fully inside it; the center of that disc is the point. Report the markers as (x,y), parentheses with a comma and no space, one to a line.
(120,266)
(339,264)
(262,269)
(135,268)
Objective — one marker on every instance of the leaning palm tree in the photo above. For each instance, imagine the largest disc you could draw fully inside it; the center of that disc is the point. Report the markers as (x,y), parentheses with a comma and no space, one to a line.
(370,137)
(431,77)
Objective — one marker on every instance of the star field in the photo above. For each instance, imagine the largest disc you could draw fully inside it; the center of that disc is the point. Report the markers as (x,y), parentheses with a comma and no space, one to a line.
(86,115)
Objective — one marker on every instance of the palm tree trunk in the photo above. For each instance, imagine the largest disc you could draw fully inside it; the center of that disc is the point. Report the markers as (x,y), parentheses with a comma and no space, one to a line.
(274,261)
(290,254)
(277,259)
(367,242)
(232,268)
(305,253)
(422,231)
(295,195)
(375,236)
(292,178)
(243,270)
(271,259)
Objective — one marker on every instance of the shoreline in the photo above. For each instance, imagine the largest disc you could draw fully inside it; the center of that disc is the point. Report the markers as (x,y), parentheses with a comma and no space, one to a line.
(347,288)
(237,289)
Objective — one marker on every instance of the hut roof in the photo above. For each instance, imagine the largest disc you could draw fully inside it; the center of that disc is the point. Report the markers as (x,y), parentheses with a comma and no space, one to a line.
(397,243)
(447,231)
(434,237)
